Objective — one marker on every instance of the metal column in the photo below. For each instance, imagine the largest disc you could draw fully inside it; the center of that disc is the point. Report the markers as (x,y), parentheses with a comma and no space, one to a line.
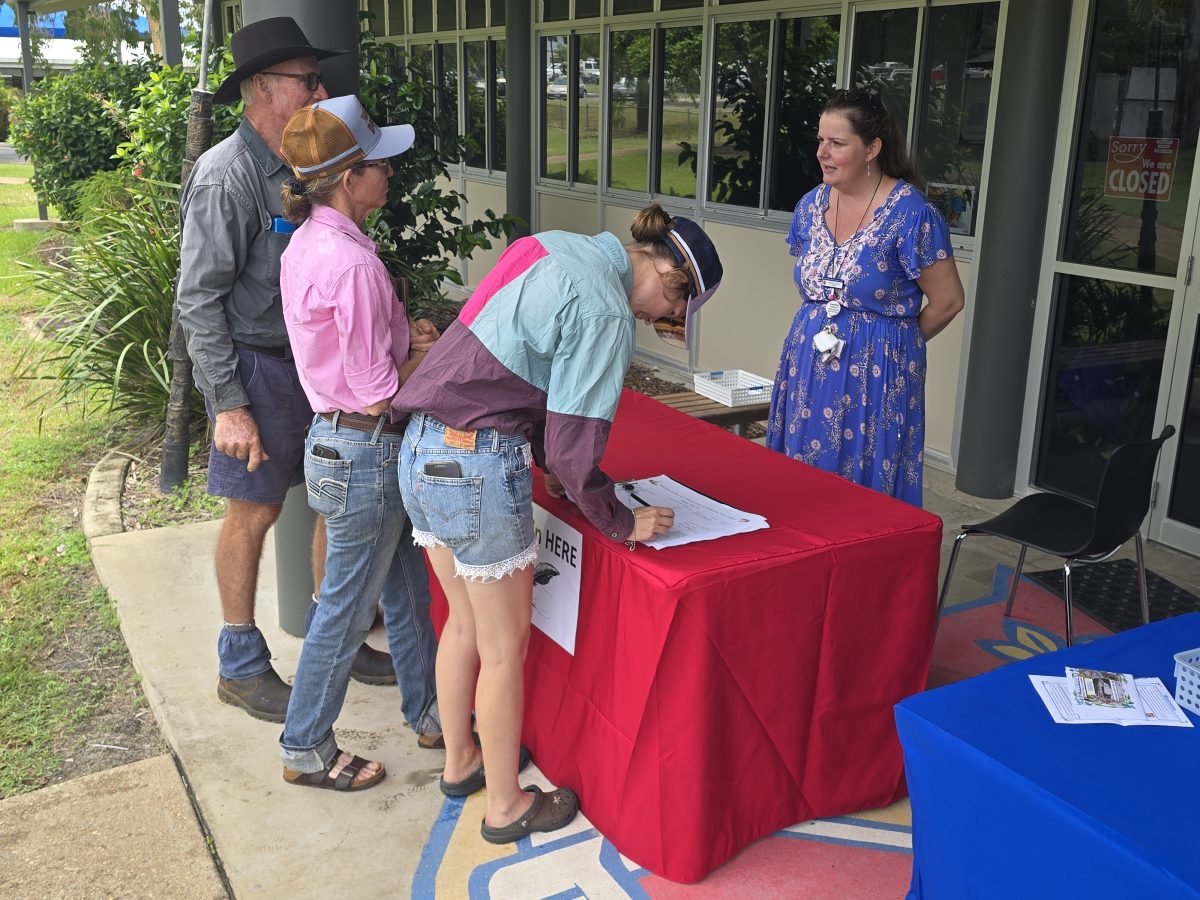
(27,66)
(168,11)
(518,32)
(1010,247)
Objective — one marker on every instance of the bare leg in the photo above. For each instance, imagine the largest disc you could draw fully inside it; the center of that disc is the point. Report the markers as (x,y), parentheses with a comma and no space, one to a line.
(239,551)
(457,669)
(502,613)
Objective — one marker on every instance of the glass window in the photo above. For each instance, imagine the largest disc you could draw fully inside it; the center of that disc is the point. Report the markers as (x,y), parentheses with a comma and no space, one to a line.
(497,13)
(422,16)
(624,7)
(629,110)
(739,102)
(1102,383)
(807,74)
(587,9)
(554,107)
(447,93)
(1135,145)
(475,111)
(884,46)
(556,10)
(375,8)
(681,65)
(680,4)
(476,14)
(953,120)
(396,23)
(499,129)
(447,15)
(587,97)
(421,58)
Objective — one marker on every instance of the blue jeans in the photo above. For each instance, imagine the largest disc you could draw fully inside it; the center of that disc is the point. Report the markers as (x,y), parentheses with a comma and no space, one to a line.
(368,561)
(242,651)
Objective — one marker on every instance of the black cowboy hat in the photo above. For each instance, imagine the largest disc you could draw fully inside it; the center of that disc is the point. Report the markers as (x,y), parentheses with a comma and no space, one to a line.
(259,46)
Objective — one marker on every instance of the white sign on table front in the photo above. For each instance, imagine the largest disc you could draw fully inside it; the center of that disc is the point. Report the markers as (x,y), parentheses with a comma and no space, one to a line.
(556,578)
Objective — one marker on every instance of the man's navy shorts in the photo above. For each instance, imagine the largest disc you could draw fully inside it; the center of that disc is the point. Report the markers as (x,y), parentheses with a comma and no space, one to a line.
(281,411)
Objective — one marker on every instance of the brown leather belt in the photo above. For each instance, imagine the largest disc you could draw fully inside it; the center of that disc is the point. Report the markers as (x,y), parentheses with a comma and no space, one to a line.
(359,422)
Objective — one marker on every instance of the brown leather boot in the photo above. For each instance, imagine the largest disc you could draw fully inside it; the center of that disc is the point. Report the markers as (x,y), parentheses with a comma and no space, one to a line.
(372,666)
(263,696)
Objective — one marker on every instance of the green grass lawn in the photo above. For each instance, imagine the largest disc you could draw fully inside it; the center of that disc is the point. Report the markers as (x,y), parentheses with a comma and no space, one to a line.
(16,170)
(62,660)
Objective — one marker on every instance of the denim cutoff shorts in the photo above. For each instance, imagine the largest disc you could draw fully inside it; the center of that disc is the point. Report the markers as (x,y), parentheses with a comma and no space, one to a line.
(485,517)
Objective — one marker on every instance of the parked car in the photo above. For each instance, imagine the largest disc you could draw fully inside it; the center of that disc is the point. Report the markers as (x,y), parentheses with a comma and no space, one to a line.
(558,88)
(589,71)
(624,89)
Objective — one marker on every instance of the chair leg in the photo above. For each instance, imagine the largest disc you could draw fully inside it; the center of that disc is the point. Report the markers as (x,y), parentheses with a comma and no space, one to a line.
(1141,561)
(950,571)
(1067,597)
(1016,579)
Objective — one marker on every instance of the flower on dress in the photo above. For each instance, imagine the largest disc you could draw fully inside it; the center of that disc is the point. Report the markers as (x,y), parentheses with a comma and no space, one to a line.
(880,293)
(876,371)
(815,444)
(849,435)
(854,371)
(805,413)
(827,412)
(941,254)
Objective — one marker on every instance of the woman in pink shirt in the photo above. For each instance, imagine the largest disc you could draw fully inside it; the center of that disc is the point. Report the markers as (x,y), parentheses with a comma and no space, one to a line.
(354,347)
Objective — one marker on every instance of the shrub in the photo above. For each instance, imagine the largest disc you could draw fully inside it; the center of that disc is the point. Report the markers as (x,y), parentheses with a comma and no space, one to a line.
(69,126)
(158,119)
(8,97)
(421,226)
(110,302)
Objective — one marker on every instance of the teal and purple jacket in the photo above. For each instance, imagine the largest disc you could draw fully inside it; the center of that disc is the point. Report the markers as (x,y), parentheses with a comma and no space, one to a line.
(541,349)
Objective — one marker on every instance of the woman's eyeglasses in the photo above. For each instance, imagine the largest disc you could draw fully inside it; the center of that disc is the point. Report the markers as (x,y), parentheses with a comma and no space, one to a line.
(381,164)
(312,80)
(859,96)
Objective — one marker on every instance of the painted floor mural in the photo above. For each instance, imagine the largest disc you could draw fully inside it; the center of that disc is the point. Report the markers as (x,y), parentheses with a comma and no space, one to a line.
(862,857)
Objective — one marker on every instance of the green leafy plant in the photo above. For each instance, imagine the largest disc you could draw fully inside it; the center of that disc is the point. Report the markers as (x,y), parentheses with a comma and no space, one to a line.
(421,226)
(69,126)
(158,120)
(109,312)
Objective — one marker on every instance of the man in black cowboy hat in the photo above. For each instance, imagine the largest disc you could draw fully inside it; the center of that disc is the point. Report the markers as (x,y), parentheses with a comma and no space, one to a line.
(233,234)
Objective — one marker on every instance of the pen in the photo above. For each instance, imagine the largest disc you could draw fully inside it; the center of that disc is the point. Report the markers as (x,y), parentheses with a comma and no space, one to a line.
(638,499)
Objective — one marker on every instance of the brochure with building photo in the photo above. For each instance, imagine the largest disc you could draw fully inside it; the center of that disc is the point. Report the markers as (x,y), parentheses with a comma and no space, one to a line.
(1094,687)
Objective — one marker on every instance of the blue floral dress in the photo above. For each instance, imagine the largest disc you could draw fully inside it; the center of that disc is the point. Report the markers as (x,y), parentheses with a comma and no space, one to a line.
(861,416)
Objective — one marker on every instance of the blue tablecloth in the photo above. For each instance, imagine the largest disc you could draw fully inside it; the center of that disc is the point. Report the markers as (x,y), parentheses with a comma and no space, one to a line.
(1008,804)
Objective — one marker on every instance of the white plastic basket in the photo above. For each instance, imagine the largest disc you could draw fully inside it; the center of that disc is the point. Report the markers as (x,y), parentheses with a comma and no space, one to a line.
(733,387)
(1187,679)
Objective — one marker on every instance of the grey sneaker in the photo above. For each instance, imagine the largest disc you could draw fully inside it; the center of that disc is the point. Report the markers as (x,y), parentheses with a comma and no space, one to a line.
(263,696)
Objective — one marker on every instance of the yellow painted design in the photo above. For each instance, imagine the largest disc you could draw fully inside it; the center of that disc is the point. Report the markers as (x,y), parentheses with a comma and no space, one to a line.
(899,813)
(467,850)
(1035,640)
(1013,651)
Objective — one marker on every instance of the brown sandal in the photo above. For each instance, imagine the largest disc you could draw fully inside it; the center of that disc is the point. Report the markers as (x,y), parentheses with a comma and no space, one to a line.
(344,780)
(548,812)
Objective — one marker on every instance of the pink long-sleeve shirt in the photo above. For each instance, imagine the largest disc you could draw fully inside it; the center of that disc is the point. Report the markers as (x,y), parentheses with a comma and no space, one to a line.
(348,330)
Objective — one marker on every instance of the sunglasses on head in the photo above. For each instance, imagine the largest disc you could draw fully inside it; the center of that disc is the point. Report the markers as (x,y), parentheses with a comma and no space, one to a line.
(312,80)
(859,96)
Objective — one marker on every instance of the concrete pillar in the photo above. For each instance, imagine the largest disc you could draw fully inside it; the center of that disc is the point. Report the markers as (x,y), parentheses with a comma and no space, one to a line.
(332,25)
(329,24)
(1009,253)
(27,66)
(518,38)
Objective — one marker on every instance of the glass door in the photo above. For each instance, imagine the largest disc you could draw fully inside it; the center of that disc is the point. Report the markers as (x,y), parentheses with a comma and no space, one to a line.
(1175,519)
(1120,272)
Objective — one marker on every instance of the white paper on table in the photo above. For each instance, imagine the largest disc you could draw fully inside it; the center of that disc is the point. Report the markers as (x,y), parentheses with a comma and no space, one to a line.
(556,578)
(1098,689)
(697,517)
(1159,707)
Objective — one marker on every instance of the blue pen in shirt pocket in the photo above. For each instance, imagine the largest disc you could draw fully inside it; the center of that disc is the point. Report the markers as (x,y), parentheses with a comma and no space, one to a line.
(280,225)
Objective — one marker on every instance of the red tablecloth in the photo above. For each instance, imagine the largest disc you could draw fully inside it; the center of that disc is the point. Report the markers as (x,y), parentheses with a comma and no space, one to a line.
(720,691)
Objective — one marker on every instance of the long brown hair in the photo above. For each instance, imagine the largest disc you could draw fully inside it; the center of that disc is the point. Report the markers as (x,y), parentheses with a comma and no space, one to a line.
(870,118)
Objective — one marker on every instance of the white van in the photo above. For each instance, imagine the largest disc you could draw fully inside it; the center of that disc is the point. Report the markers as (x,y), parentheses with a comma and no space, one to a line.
(589,71)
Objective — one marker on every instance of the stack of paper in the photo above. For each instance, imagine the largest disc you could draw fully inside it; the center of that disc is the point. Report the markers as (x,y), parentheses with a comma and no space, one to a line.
(1087,696)
(697,517)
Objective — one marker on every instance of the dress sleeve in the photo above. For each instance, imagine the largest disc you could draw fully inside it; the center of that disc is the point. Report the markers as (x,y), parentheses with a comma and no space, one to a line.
(798,233)
(924,239)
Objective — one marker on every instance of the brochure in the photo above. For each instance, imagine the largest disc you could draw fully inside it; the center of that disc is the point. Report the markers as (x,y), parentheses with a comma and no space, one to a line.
(1155,705)
(697,517)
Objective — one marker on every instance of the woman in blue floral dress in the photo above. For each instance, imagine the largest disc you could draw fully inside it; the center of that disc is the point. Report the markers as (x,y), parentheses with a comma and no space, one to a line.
(849,396)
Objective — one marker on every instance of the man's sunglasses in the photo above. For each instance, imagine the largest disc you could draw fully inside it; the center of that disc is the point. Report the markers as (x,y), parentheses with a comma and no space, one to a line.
(312,80)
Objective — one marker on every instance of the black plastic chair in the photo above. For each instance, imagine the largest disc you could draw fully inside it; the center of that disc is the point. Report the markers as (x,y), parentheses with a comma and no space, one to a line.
(1077,531)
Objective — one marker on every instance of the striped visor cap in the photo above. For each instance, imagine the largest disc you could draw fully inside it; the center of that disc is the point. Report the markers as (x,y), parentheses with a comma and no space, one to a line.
(697,256)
